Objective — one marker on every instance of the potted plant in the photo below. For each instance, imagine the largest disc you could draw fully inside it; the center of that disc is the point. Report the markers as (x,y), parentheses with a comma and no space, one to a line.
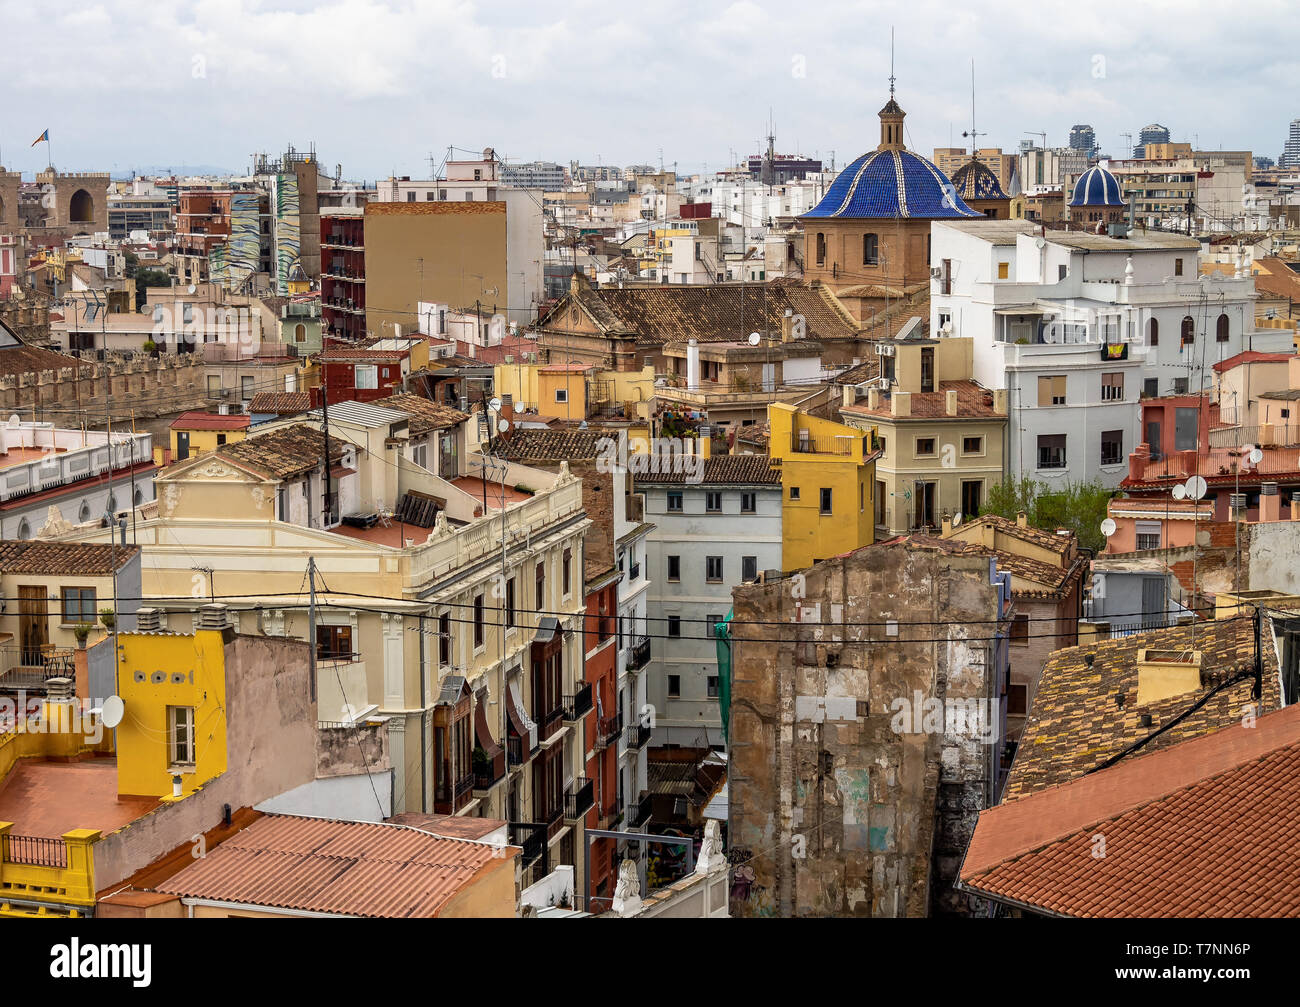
(108,617)
(81,631)
(151,347)
(482,765)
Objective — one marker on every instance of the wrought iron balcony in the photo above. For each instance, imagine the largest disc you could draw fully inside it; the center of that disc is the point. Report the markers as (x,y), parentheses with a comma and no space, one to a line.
(638,814)
(637,736)
(551,722)
(579,704)
(487,775)
(531,837)
(579,798)
(640,655)
(611,729)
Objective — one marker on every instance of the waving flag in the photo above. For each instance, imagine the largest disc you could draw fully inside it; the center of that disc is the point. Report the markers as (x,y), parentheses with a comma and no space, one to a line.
(44,136)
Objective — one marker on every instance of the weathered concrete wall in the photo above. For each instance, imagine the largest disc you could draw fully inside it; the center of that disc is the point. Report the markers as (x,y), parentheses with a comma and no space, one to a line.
(850,795)
(1273,556)
(137,385)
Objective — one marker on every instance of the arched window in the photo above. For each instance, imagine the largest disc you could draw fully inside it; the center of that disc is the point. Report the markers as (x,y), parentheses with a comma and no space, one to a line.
(1221,329)
(139,496)
(83,513)
(1153,332)
(821,249)
(300,333)
(1189,330)
(24,529)
(870,250)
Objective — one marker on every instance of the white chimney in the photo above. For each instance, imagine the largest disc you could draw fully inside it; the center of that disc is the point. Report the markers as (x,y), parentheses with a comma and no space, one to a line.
(693,366)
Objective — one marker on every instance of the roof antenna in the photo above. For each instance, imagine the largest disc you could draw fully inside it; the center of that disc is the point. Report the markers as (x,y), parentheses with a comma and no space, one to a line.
(972,133)
(891,61)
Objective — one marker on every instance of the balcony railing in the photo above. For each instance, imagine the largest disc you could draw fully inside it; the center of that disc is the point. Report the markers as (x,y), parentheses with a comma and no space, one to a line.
(579,704)
(551,723)
(611,729)
(839,444)
(637,736)
(515,750)
(640,655)
(36,851)
(638,814)
(30,668)
(531,837)
(579,798)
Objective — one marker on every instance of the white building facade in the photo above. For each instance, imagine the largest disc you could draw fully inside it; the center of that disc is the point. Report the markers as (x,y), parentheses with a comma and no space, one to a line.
(1078,328)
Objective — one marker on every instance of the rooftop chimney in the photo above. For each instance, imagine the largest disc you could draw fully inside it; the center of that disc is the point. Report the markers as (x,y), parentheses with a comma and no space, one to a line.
(213,617)
(1295,506)
(147,620)
(850,395)
(950,402)
(693,366)
(1270,503)
(900,404)
(1022,519)
(873,398)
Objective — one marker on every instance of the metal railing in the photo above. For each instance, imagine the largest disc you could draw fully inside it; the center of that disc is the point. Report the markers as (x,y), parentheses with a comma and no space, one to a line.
(531,837)
(579,704)
(639,813)
(838,444)
(36,851)
(611,729)
(640,655)
(637,736)
(578,798)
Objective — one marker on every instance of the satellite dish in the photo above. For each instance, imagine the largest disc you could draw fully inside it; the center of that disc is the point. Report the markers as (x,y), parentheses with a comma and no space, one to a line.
(956,519)
(494,404)
(755,339)
(1040,241)
(1180,492)
(503,424)
(1108,527)
(1256,456)
(112,711)
(192,288)
(1196,487)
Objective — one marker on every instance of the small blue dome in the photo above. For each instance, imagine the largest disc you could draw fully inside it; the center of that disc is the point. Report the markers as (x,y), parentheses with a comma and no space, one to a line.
(974,180)
(892,183)
(1097,187)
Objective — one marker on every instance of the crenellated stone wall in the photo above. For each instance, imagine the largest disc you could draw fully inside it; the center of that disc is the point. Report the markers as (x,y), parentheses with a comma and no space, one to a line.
(137,385)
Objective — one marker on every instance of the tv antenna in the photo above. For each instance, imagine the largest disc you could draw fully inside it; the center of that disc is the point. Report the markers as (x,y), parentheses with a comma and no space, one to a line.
(972,132)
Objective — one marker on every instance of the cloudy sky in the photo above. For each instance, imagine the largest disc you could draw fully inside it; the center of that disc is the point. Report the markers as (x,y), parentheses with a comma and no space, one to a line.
(379,85)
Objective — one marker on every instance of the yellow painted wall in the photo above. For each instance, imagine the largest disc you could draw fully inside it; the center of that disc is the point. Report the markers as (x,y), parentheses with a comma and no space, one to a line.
(807,535)
(573,382)
(203,441)
(143,737)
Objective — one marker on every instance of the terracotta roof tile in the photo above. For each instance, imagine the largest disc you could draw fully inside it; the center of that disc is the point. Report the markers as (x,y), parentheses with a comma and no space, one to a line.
(200,420)
(722,470)
(37,558)
(665,314)
(280,403)
(1049,540)
(1207,827)
(1076,724)
(526,444)
(426,415)
(284,452)
(349,868)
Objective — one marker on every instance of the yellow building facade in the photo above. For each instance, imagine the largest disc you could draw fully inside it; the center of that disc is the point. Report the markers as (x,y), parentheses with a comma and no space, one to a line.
(827,485)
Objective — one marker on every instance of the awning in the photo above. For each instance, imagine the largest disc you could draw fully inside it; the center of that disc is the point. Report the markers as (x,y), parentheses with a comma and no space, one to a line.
(339,471)
(547,627)
(1026,309)
(483,734)
(524,726)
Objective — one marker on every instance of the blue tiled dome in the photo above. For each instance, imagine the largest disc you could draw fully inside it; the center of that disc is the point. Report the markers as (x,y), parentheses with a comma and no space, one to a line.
(974,180)
(892,183)
(1097,187)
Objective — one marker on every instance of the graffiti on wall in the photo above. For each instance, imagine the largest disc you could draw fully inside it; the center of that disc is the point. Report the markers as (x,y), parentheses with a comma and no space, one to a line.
(244,245)
(288,246)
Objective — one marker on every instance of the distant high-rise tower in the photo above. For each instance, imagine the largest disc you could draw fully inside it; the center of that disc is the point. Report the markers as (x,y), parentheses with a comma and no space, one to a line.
(1083,137)
(1155,133)
(1291,152)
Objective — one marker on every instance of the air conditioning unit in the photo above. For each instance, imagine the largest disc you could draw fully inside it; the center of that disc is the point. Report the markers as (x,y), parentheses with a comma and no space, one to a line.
(882,382)
(936,272)
(884,349)
(225,393)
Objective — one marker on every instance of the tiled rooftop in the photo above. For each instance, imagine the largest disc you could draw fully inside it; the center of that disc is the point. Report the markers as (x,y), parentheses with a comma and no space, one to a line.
(973,402)
(532,445)
(1075,722)
(39,558)
(284,452)
(426,415)
(1204,828)
(348,868)
(730,470)
(200,420)
(280,403)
